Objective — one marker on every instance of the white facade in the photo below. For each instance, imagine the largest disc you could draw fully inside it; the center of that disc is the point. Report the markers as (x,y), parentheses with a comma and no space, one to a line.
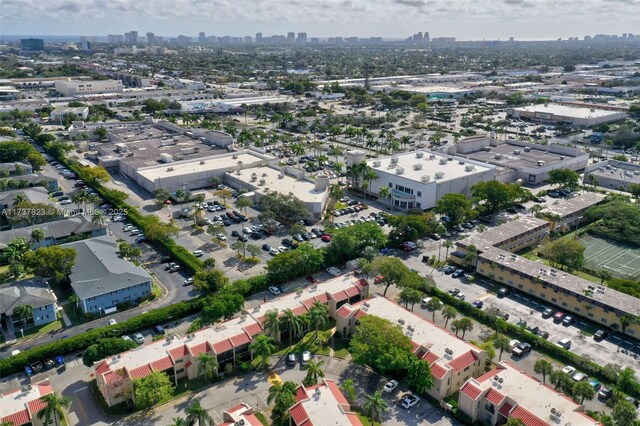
(91,87)
(555,114)
(59,113)
(419,179)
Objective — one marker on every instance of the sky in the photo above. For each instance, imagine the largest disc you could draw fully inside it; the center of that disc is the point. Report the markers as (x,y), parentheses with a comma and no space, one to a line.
(463,19)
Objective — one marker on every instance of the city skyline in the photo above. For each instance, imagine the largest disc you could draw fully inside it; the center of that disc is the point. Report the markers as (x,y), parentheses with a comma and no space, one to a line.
(391,19)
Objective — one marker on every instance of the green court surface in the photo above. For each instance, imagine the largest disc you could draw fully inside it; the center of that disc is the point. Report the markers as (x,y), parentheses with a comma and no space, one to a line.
(619,259)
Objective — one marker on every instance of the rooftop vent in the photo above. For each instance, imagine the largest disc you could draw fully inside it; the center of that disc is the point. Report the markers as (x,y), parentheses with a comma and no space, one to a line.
(399,170)
(469,168)
(376,163)
(432,156)
(401,321)
(498,157)
(439,175)
(516,152)
(443,161)
(527,149)
(417,167)
(419,154)
(461,163)
(394,160)
(425,178)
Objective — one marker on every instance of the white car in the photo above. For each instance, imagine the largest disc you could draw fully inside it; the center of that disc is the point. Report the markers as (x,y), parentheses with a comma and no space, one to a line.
(127,338)
(221,237)
(197,253)
(274,251)
(247,230)
(112,321)
(282,249)
(564,343)
(274,290)
(139,338)
(513,343)
(390,386)
(569,370)
(65,202)
(334,271)
(578,377)
(409,401)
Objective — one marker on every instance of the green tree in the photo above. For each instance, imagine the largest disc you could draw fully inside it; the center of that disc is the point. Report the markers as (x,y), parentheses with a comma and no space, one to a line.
(207,365)
(561,381)
(319,315)
(37,235)
(314,372)
(411,227)
(197,414)
(419,375)
(104,348)
(292,323)
(291,264)
(583,390)
(282,395)
(272,323)
(449,313)
(25,312)
(75,300)
(287,207)
(513,421)
(410,296)
(501,342)
(54,408)
(391,270)
(627,381)
(349,243)
(209,281)
(375,405)
(179,421)
(463,324)
(349,389)
(93,175)
(566,252)
(97,218)
(543,367)
(434,305)
(162,196)
(263,346)
(152,389)
(565,178)
(254,250)
(243,203)
(624,413)
(457,207)
(100,132)
(493,196)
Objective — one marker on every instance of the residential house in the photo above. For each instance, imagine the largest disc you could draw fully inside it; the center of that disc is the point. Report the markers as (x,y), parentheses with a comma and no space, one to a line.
(322,404)
(32,292)
(21,407)
(241,414)
(55,232)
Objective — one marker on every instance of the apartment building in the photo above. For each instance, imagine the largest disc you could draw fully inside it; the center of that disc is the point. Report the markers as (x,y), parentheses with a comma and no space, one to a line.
(453,360)
(228,341)
(322,404)
(21,407)
(239,415)
(495,259)
(506,392)
(32,292)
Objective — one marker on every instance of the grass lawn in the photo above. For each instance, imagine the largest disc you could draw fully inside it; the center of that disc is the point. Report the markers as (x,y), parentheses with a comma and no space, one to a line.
(341,348)
(43,329)
(262,418)
(74,315)
(156,291)
(366,420)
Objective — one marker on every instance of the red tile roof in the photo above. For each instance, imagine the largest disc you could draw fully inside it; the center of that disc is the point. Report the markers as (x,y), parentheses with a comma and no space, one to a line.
(180,352)
(188,364)
(322,298)
(344,311)
(470,390)
(300,310)
(506,407)
(298,414)
(199,349)
(140,372)
(340,296)
(463,361)
(162,364)
(253,329)
(494,396)
(35,406)
(362,282)
(438,371)
(20,418)
(223,346)
(430,357)
(528,418)
(360,314)
(301,394)
(352,291)
(103,367)
(240,339)
(489,375)
(113,377)
(335,390)
(249,419)
(45,388)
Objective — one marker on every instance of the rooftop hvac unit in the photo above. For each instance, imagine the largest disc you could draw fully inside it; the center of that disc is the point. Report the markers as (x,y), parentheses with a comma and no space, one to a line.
(417,167)
(399,170)
(540,163)
(562,157)
(527,149)
(486,148)
(280,176)
(461,163)
(419,154)
(425,178)
(401,321)
(498,157)
(443,161)
(376,163)
(254,177)
(169,169)
(394,160)
(202,162)
(439,175)
(432,156)
(262,182)
(516,152)
(469,167)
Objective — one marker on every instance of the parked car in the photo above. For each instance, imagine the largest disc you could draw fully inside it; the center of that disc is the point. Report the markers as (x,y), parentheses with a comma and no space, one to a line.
(175,268)
(188,282)
(460,296)
(521,349)
(543,334)
(568,320)
(390,386)
(326,238)
(547,313)
(306,356)
(458,273)
(273,252)
(579,376)
(605,393)
(221,237)
(503,291)
(291,359)
(334,271)
(408,246)
(533,329)
(112,321)
(595,384)
(478,304)
(409,401)
(198,253)
(159,329)
(138,338)
(454,292)
(569,370)
(274,290)
(450,270)
(558,317)
(564,343)
(600,335)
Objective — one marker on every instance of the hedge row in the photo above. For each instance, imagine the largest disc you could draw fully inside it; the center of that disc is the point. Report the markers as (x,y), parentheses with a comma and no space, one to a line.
(16,363)
(540,344)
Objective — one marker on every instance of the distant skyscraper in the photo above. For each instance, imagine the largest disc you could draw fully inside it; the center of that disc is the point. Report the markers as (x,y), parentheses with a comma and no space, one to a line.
(426,37)
(511,39)
(258,37)
(291,37)
(202,38)
(151,38)
(33,44)
(131,37)
(302,37)
(182,39)
(115,38)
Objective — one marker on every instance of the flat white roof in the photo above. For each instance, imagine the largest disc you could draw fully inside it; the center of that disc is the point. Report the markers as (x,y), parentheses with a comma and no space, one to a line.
(302,189)
(196,165)
(414,168)
(324,405)
(567,111)
(19,401)
(532,395)
(426,89)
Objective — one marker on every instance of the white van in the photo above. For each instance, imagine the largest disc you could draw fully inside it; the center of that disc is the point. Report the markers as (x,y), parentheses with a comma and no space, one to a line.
(425,302)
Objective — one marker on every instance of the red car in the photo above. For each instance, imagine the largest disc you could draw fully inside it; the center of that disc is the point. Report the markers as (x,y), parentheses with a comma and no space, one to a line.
(311,279)
(326,238)
(558,317)
(378,279)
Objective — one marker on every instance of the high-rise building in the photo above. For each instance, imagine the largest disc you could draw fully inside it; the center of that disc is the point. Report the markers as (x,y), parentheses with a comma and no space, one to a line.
(302,37)
(291,37)
(151,38)
(202,38)
(248,39)
(258,37)
(426,37)
(182,39)
(115,38)
(131,37)
(33,44)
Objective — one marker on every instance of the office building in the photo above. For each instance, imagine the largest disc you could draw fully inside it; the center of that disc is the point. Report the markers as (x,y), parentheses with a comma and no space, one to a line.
(452,360)
(302,38)
(228,342)
(88,87)
(614,174)
(102,280)
(32,44)
(322,404)
(258,37)
(81,113)
(151,38)
(291,37)
(419,179)
(561,114)
(32,292)
(505,393)
(131,37)
(21,406)
(115,38)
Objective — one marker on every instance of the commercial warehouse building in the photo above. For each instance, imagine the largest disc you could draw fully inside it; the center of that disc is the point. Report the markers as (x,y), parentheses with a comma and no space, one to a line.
(613,174)
(419,179)
(88,87)
(562,114)
(453,360)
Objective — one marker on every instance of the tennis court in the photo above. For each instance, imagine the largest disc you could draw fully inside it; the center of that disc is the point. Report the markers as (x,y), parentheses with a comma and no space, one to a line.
(620,260)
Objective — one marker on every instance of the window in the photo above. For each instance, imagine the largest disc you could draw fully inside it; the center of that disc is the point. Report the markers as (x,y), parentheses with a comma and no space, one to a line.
(180,371)
(490,408)
(390,185)
(419,193)
(564,304)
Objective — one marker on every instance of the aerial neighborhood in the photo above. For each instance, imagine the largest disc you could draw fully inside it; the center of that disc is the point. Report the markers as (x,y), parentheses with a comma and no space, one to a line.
(297,230)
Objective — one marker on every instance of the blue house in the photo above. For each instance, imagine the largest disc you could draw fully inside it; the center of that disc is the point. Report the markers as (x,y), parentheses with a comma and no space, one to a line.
(31,292)
(102,279)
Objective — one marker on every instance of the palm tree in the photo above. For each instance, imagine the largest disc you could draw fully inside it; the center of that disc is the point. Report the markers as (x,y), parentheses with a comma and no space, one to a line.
(278,389)
(434,305)
(544,367)
(207,365)
(97,218)
(463,324)
(314,372)
(179,421)
(501,342)
(37,235)
(272,323)
(292,322)
(15,252)
(75,300)
(471,256)
(336,192)
(263,346)
(449,312)
(25,312)
(349,389)
(385,193)
(195,413)
(375,405)
(19,198)
(319,315)
(54,407)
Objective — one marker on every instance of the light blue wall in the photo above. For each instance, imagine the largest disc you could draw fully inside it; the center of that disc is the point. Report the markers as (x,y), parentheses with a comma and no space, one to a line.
(96,305)
(44,314)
